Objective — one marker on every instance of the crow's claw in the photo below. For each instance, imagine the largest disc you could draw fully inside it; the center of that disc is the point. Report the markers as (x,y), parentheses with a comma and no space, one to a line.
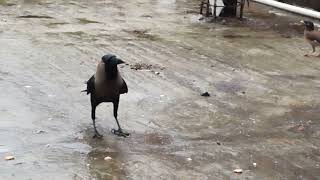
(97,135)
(119,132)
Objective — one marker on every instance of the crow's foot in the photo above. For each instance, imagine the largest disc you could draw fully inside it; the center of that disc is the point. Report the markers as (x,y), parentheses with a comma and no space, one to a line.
(119,132)
(97,135)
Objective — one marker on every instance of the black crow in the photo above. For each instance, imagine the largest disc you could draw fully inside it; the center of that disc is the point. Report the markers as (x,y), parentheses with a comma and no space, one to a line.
(106,86)
(312,36)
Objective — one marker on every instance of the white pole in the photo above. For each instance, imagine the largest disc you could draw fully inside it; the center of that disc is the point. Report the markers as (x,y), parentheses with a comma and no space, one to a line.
(294,9)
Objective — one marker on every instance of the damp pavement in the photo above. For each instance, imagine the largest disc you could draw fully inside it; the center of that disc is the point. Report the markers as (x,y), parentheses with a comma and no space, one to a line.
(262,115)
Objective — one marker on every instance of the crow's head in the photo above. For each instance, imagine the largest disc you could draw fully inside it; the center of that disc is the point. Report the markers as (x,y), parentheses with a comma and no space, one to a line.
(111,63)
(309,25)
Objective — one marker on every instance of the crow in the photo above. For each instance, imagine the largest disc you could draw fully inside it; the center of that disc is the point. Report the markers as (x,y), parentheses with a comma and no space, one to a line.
(106,85)
(312,36)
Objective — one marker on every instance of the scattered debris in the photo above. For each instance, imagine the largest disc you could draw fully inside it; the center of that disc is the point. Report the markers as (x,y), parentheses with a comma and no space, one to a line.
(39,132)
(254,164)
(141,66)
(206,94)
(8,158)
(239,171)
(107,158)
(146,67)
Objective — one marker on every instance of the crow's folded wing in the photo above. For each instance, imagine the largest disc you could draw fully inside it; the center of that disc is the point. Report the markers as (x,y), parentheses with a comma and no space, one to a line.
(124,87)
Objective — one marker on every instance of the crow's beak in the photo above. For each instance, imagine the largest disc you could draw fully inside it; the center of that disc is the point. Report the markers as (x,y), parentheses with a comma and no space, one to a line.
(120,61)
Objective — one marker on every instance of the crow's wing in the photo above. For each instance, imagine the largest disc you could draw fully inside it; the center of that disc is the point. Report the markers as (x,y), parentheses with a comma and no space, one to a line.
(124,87)
(90,85)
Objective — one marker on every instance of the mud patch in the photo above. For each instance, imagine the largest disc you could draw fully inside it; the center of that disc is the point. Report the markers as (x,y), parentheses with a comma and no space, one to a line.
(76,33)
(35,17)
(157,139)
(304,119)
(55,24)
(229,87)
(144,34)
(6,3)
(234,36)
(86,21)
(105,169)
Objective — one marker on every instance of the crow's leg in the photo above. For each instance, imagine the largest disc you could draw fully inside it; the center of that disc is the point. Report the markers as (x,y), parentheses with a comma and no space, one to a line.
(118,132)
(313,50)
(93,116)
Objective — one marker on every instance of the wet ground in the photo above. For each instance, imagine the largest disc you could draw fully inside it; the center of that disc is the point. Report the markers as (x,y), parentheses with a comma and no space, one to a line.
(263,108)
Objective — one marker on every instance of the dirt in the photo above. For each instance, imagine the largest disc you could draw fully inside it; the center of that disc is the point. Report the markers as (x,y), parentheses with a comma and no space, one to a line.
(263,106)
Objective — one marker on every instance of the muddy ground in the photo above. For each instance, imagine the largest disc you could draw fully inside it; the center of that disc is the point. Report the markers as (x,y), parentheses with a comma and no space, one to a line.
(263,108)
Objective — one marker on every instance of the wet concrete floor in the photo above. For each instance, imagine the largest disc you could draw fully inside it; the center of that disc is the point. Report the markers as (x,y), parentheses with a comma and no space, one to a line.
(263,108)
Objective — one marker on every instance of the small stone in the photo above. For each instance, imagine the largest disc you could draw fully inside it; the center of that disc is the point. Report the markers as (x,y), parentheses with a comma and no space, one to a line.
(218,143)
(107,158)
(206,94)
(157,73)
(88,165)
(254,164)
(301,128)
(243,92)
(239,171)
(8,158)
(189,159)
(27,86)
